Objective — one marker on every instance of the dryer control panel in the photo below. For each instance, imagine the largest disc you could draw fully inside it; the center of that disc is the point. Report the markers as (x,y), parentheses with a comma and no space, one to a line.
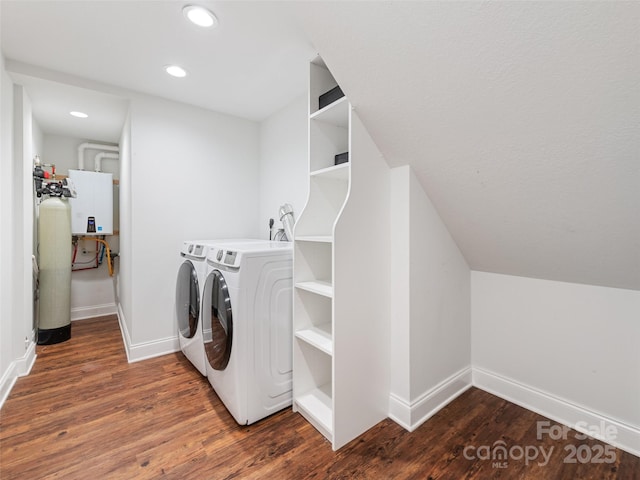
(229,258)
(193,250)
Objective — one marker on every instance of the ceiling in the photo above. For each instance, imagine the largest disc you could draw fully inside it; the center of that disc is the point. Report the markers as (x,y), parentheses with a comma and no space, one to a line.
(520,119)
(251,65)
(52,101)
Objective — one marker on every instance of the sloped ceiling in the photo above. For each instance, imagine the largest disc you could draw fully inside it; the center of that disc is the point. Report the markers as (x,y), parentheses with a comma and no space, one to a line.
(521,120)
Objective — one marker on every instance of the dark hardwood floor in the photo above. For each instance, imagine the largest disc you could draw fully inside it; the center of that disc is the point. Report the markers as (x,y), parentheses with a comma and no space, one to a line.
(85,413)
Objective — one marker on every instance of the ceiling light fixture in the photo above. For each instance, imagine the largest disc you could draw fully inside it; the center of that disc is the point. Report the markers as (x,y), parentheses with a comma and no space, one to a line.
(79,114)
(175,71)
(200,16)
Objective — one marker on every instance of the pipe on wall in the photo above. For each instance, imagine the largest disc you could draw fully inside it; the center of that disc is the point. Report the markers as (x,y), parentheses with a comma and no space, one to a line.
(100,156)
(95,146)
(108,249)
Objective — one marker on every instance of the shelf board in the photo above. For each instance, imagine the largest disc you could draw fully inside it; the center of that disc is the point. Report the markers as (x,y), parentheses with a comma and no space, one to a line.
(317,286)
(339,172)
(319,336)
(315,238)
(317,405)
(336,113)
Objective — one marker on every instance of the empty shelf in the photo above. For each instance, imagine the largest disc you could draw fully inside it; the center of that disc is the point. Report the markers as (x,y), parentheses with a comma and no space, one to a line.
(319,287)
(316,406)
(315,238)
(336,172)
(319,337)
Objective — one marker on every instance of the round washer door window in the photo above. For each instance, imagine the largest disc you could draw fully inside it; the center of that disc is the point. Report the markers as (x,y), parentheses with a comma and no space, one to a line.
(187,300)
(218,320)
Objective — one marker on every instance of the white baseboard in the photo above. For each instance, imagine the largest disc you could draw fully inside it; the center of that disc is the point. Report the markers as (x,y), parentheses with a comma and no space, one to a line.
(82,313)
(411,415)
(142,351)
(18,368)
(627,437)
(126,339)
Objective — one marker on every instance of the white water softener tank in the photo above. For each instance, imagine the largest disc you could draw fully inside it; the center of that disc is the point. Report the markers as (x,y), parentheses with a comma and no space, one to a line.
(54,239)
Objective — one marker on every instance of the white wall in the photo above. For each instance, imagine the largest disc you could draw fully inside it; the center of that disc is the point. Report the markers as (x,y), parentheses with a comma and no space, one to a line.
(400,335)
(16,306)
(23,218)
(193,175)
(124,281)
(431,314)
(283,164)
(37,138)
(566,350)
(7,376)
(92,291)
(440,297)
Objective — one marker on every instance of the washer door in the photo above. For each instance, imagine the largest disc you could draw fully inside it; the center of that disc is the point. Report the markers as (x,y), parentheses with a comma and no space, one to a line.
(187,300)
(218,321)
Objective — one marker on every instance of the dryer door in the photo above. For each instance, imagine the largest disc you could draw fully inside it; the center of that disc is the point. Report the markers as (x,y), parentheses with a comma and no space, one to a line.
(218,321)
(187,300)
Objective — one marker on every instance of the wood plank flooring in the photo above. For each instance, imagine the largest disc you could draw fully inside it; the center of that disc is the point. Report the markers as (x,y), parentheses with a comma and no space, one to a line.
(85,413)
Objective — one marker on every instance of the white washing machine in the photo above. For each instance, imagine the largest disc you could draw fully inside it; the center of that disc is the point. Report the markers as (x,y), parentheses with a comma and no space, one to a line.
(247,319)
(189,288)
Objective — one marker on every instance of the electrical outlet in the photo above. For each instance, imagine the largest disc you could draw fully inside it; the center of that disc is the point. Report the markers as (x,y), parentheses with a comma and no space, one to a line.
(26,343)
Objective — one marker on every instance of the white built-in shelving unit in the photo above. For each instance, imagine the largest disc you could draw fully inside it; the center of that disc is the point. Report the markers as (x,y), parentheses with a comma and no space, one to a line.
(341,313)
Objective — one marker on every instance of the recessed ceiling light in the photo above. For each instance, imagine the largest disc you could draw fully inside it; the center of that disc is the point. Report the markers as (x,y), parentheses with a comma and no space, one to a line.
(200,16)
(79,114)
(175,71)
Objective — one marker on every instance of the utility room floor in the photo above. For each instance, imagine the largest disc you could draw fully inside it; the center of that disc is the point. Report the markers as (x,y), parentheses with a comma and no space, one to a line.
(85,413)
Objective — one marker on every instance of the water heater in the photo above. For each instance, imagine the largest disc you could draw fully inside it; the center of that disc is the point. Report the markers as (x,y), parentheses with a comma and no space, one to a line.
(92,210)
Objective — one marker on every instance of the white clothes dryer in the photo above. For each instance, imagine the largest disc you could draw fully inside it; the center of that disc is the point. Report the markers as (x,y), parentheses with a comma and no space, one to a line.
(188,297)
(189,288)
(247,320)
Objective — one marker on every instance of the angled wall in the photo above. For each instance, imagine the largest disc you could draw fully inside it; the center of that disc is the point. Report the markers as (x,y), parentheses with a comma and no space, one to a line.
(430,316)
